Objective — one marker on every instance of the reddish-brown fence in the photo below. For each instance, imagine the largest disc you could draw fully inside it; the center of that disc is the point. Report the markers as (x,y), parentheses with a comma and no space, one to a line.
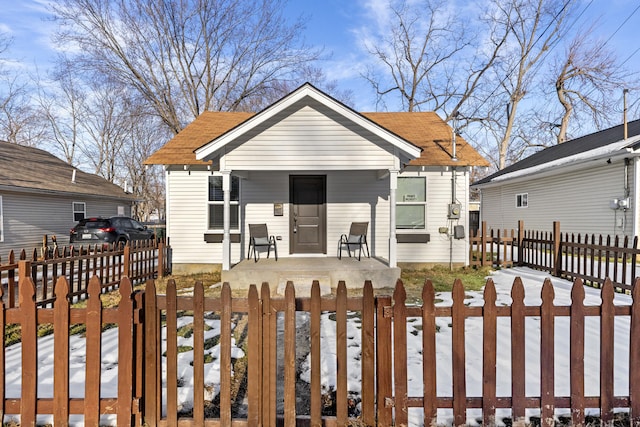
(29,318)
(384,356)
(138,260)
(586,256)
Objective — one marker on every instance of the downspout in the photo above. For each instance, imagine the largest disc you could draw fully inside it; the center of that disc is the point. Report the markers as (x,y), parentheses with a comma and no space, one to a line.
(636,195)
(226,235)
(393,240)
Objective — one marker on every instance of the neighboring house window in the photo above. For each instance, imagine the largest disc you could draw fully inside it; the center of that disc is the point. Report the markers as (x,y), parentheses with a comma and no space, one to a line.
(79,211)
(216,203)
(120,210)
(522,200)
(411,204)
(1,222)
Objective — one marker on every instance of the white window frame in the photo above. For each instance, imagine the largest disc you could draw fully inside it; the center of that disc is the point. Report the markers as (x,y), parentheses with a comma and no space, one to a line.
(221,203)
(1,221)
(74,211)
(522,200)
(412,203)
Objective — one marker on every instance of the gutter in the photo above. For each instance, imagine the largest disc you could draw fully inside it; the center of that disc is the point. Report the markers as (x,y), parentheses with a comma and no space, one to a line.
(574,162)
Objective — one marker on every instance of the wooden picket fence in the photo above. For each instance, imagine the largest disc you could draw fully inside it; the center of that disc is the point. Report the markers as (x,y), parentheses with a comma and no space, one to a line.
(137,260)
(149,372)
(590,257)
(30,316)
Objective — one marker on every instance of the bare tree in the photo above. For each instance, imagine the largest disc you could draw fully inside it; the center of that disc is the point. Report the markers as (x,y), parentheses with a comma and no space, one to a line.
(63,105)
(187,56)
(586,80)
(19,122)
(534,27)
(417,53)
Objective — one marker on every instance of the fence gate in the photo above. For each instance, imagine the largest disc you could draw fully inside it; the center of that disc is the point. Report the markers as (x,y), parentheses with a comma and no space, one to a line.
(268,339)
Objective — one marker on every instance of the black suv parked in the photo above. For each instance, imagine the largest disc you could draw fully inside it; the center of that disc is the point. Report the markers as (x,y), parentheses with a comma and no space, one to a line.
(118,229)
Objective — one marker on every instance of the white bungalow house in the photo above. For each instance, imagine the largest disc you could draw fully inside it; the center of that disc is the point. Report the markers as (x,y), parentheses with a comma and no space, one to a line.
(43,195)
(308,166)
(590,184)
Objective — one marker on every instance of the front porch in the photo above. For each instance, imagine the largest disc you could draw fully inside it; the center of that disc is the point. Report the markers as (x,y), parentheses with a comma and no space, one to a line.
(302,271)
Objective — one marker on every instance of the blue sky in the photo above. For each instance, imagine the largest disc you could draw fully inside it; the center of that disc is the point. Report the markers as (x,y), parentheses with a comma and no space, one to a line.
(337,25)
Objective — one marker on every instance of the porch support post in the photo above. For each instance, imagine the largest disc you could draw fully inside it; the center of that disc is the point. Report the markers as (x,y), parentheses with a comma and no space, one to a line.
(393,241)
(226,222)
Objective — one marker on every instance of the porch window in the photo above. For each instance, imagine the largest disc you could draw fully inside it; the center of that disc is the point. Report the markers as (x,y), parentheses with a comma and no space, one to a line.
(79,211)
(411,204)
(522,200)
(216,203)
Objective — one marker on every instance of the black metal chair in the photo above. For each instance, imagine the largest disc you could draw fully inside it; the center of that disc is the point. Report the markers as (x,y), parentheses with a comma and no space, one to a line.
(357,238)
(259,237)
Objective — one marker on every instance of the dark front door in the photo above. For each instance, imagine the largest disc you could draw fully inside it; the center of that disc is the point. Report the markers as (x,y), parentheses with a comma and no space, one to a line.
(307,194)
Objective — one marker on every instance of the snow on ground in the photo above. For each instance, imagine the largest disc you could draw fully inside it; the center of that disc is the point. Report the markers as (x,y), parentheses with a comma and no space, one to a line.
(503,280)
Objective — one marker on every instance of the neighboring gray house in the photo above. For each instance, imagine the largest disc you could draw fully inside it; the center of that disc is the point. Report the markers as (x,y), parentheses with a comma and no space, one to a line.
(42,195)
(310,161)
(590,184)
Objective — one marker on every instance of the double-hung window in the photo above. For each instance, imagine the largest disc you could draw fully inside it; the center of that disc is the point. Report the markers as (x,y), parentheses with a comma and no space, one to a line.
(216,203)
(411,203)
(522,200)
(79,211)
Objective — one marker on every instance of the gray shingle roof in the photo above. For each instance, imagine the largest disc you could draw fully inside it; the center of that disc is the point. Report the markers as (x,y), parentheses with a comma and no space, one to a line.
(31,169)
(575,146)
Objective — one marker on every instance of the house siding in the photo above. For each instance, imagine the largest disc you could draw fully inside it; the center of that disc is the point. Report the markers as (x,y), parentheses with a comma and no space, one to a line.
(308,139)
(351,196)
(578,199)
(438,249)
(188,203)
(27,217)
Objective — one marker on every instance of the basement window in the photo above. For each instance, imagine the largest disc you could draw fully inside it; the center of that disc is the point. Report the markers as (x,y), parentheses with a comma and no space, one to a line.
(522,200)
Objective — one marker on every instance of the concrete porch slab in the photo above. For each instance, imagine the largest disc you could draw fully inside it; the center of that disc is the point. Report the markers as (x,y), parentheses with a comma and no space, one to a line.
(302,271)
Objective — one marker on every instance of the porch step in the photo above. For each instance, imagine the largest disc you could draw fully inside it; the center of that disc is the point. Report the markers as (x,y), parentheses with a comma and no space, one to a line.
(302,284)
(303,271)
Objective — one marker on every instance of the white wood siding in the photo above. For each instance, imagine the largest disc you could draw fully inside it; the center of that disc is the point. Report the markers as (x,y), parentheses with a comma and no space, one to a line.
(579,200)
(438,200)
(310,138)
(189,207)
(27,217)
(351,196)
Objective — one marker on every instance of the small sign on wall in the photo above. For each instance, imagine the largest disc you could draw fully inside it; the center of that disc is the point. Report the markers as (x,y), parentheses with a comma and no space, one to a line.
(278,209)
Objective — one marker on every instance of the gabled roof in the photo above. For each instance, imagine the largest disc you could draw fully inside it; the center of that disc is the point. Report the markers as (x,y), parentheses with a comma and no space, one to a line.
(588,146)
(424,134)
(307,91)
(31,169)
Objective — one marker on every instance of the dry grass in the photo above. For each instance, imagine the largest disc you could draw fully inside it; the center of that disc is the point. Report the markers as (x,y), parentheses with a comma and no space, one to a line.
(442,278)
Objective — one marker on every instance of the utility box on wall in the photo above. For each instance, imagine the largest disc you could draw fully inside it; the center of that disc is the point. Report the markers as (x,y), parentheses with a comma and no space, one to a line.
(454,211)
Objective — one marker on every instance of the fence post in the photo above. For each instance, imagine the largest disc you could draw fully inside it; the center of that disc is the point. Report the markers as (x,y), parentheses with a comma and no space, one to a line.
(383,365)
(24,272)
(483,243)
(557,256)
(11,281)
(161,259)
(127,260)
(520,243)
